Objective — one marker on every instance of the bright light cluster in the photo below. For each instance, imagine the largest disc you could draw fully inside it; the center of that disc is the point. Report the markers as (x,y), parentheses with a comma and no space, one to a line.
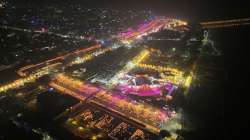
(22,70)
(177,80)
(75,88)
(151,27)
(143,54)
(129,86)
(31,78)
(137,111)
(161,69)
(130,65)
(143,30)
(66,90)
(88,57)
(22,81)
(68,80)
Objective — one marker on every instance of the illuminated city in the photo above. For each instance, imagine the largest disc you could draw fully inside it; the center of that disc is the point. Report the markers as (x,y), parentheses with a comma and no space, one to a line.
(105,73)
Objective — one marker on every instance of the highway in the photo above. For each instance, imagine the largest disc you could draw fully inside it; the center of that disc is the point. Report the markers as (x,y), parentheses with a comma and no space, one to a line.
(150,27)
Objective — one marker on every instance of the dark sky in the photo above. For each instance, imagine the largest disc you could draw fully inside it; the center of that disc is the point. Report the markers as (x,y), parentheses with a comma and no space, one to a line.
(200,9)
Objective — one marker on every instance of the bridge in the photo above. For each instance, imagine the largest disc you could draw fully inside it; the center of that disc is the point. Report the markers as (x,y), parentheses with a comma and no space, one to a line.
(225,23)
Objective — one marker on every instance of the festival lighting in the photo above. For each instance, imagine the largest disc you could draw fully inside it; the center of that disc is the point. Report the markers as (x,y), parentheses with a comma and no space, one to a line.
(121,104)
(22,81)
(176,77)
(129,66)
(76,88)
(88,57)
(138,111)
(22,71)
(150,27)
(128,85)
(161,69)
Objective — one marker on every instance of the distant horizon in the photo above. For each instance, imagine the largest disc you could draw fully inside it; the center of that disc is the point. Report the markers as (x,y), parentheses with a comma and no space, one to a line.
(192,10)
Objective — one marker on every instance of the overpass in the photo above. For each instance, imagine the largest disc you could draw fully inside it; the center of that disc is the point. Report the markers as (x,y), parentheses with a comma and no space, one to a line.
(225,23)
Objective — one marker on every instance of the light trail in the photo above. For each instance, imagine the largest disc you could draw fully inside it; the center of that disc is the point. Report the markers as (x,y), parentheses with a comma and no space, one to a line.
(91,56)
(28,79)
(40,72)
(150,27)
(22,70)
(22,81)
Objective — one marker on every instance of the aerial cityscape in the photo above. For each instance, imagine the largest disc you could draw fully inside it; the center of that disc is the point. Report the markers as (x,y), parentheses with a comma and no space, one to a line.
(69,71)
